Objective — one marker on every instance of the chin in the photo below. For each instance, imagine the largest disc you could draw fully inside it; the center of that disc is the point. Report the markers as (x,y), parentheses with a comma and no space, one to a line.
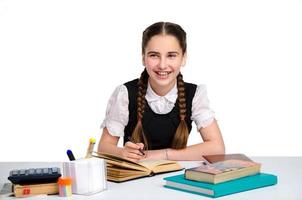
(163,82)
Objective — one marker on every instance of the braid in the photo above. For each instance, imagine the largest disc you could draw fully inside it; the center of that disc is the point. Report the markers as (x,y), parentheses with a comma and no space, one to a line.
(138,133)
(141,101)
(182,133)
(181,97)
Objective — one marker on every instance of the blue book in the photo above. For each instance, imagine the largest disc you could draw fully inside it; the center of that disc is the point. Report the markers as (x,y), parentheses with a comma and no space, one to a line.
(179,182)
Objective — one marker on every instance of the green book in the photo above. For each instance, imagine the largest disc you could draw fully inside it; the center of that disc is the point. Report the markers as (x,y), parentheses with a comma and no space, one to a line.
(179,182)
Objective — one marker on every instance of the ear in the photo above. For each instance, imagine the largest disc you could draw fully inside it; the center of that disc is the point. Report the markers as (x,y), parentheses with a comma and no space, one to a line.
(184,59)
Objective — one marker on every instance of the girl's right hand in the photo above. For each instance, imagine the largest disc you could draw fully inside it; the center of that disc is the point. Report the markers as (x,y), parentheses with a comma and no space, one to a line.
(131,151)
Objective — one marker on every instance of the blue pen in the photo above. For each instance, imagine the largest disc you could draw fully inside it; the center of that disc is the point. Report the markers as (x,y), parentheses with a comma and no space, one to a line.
(70,155)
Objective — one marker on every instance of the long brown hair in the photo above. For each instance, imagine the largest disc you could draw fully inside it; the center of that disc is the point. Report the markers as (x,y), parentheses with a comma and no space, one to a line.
(181,135)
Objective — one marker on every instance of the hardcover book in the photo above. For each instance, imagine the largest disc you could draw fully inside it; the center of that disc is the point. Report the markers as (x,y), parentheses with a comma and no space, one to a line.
(120,169)
(35,189)
(222,171)
(179,182)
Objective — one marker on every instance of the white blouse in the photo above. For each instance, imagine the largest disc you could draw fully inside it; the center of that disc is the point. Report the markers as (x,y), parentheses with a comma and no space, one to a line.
(117,113)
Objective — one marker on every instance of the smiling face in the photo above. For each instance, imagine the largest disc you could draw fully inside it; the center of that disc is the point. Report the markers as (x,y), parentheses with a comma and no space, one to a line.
(163,58)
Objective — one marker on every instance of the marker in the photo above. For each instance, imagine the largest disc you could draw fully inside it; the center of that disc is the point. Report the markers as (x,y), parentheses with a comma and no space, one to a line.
(70,155)
(140,150)
(90,148)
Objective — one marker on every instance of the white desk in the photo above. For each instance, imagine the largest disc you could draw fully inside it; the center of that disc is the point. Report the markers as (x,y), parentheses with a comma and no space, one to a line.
(288,170)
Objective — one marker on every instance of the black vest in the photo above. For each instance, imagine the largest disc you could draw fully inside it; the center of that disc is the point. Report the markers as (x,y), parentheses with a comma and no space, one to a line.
(158,128)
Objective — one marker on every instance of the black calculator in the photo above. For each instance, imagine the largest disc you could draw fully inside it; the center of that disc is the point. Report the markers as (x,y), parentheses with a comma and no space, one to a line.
(34,175)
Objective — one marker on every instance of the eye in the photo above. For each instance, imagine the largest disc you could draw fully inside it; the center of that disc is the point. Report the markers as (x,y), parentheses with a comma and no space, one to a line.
(172,55)
(153,55)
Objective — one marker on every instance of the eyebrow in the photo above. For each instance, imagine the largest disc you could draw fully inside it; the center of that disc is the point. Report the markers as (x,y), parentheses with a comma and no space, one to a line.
(155,52)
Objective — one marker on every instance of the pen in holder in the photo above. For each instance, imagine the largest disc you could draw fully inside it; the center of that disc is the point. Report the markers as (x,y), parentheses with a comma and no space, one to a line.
(90,148)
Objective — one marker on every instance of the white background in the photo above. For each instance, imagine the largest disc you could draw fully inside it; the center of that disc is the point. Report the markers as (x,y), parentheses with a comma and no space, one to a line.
(60,61)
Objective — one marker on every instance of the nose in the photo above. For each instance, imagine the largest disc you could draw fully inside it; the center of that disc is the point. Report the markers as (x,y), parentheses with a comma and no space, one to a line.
(162,64)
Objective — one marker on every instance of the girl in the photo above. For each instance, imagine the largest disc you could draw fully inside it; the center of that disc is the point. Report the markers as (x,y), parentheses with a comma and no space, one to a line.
(154,113)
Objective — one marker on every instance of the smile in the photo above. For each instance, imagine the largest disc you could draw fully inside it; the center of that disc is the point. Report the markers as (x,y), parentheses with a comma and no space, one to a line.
(163,73)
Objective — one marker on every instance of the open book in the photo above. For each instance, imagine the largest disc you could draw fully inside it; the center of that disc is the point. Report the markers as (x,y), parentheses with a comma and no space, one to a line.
(120,169)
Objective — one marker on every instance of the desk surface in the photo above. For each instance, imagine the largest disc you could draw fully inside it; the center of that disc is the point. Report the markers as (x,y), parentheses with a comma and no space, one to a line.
(288,170)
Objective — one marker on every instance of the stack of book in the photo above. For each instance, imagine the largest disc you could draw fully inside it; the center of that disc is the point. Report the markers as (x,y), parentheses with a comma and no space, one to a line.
(221,175)
(34,181)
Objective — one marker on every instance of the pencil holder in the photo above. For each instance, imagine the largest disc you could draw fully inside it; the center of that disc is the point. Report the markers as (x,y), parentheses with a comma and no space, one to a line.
(88,175)
(65,187)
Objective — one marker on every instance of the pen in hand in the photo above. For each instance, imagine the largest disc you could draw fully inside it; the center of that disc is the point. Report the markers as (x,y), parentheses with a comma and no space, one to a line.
(140,150)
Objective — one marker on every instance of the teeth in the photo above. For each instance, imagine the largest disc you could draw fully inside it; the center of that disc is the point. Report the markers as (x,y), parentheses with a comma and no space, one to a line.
(162,73)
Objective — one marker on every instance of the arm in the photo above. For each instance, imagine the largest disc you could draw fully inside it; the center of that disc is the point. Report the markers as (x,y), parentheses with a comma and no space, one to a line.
(108,144)
(213,144)
(116,120)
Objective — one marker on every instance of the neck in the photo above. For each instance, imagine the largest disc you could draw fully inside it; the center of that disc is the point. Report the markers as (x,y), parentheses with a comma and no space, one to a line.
(161,90)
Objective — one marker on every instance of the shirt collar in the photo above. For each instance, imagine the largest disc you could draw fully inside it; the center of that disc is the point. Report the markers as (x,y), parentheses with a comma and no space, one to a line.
(171,96)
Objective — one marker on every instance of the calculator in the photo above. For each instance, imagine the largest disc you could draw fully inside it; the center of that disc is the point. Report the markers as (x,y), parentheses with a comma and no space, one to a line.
(34,175)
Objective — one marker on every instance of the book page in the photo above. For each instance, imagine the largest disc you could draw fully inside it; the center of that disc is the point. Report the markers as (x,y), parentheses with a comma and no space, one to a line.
(160,165)
(121,162)
(146,165)
(112,157)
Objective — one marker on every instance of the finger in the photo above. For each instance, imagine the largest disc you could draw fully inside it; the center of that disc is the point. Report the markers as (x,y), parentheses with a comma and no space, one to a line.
(129,157)
(132,145)
(141,145)
(135,151)
(134,156)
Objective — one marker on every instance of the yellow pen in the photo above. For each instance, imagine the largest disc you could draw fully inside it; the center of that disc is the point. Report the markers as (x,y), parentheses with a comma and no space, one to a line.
(90,148)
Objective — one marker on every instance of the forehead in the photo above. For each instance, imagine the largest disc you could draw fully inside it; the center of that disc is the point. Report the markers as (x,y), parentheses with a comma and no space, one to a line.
(163,43)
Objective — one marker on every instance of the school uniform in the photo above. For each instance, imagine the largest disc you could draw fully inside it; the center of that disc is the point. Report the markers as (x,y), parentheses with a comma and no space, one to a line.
(161,115)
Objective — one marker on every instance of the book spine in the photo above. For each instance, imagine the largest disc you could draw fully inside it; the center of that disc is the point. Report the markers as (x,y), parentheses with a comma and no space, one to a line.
(27,190)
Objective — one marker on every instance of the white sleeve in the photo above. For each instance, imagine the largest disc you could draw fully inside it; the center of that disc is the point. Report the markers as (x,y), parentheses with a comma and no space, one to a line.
(202,114)
(117,113)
